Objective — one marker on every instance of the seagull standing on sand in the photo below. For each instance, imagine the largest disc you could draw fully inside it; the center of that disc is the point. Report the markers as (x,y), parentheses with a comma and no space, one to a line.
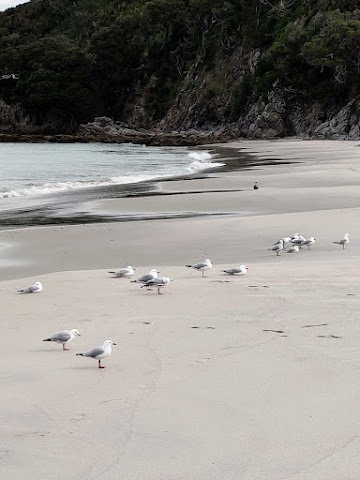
(146,278)
(202,266)
(158,282)
(344,241)
(242,270)
(36,288)
(63,337)
(124,272)
(278,247)
(99,353)
(310,241)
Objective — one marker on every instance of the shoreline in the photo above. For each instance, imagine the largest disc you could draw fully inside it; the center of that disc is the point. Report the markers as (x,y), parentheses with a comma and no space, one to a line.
(70,207)
(320,183)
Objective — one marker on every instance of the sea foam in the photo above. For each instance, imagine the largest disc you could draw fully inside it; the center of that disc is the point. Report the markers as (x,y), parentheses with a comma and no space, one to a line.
(199,161)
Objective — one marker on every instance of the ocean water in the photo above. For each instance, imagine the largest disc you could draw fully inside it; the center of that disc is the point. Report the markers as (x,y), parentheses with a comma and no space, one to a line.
(39,169)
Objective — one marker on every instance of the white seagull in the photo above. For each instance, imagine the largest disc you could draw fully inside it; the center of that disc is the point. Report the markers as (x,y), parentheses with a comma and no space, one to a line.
(63,337)
(36,288)
(310,241)
(278,247)
(202,266)
(242,270)
(158,282)
(145,278)
(124,272)
(99,353)
(344,241)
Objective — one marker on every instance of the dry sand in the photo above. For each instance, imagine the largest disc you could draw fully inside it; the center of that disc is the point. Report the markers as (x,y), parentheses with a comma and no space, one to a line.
(226,400)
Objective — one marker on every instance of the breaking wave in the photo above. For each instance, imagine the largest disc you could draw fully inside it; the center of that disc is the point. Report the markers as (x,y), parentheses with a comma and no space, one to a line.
(200,161)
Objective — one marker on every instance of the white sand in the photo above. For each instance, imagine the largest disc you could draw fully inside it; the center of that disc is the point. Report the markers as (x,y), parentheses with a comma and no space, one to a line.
(228,402)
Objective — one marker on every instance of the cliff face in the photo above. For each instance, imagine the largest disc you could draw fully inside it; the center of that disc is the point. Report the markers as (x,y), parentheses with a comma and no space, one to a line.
(260,69)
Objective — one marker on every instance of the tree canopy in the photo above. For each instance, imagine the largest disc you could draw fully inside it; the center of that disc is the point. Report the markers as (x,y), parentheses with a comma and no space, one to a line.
(83,58)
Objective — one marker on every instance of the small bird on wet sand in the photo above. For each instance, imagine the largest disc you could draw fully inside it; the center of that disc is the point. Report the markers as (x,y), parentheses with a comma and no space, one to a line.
(63,337)
(344,241)
(99,353)
(124,272)
(242,270)
(159,282)
(256,186)
(202,266)
(278,247)
(36,288)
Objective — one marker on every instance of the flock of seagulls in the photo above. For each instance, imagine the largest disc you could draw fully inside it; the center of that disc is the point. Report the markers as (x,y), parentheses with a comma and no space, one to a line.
(297,241)
(151,280)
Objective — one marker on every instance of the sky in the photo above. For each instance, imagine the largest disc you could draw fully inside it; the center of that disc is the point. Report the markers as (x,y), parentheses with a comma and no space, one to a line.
(4,4)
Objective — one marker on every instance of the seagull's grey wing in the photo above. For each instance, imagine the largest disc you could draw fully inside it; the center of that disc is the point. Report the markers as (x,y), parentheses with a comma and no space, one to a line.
(122,272)
(60,337)
(232,271)
(32,289)
(145,278)
(199,265)
(94,352)
(28,290)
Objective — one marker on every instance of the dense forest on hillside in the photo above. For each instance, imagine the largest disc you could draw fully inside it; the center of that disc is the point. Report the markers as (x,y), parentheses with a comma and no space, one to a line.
(179,63)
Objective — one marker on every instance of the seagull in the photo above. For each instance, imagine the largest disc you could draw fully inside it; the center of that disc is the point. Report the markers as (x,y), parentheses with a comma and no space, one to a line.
(202,266)
(277,247)
(149,276)
(99,353)
(158,282)
(124,272)
(294,249)
(310,241)
(298,241)
(242,270)
(63,337)
(36,288)
(344,241)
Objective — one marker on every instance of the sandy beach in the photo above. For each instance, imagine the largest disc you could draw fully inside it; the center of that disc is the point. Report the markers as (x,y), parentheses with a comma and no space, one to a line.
(219,378)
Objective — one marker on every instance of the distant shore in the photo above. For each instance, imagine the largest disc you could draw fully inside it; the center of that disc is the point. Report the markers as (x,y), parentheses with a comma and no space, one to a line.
(143,137)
